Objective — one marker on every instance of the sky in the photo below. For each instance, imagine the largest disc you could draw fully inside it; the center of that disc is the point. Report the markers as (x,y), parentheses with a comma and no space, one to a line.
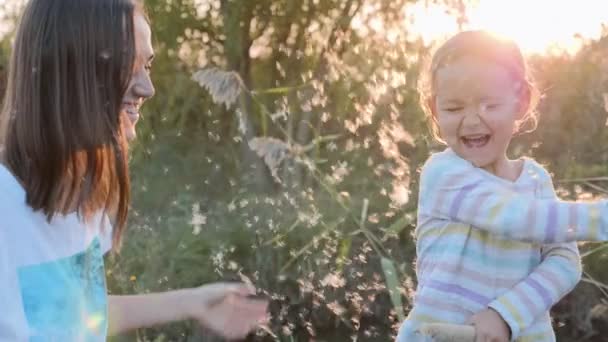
(536,25)
(4,4)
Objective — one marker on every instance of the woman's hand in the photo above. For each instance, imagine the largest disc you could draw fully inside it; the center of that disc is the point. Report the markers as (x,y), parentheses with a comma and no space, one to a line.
(490,327)
(226,308)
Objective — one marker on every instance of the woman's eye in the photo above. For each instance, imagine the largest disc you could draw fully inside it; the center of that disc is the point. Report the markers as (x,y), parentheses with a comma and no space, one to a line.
(453,109)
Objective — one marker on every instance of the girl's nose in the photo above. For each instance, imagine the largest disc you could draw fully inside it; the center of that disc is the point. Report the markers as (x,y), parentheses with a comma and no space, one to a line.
(472,117)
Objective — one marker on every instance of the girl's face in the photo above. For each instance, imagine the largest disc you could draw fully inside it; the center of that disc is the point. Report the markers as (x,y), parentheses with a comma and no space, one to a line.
(476,107)
(140,86)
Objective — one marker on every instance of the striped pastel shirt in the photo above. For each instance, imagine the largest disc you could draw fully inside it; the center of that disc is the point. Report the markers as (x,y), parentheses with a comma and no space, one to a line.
(483,241)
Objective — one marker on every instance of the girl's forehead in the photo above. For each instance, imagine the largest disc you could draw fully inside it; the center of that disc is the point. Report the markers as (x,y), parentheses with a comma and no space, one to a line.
(474,77)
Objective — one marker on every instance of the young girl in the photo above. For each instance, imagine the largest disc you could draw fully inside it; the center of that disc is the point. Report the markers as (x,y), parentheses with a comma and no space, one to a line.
(79,73)
(492,238)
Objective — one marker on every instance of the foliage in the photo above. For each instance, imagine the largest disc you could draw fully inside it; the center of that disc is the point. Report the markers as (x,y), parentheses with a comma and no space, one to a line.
(283,146)
(296,166)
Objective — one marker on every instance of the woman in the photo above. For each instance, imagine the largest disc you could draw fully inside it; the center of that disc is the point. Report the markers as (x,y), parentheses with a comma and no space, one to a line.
(79,73)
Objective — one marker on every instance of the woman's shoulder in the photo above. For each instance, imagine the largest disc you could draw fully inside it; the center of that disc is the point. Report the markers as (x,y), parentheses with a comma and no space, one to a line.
(11,191)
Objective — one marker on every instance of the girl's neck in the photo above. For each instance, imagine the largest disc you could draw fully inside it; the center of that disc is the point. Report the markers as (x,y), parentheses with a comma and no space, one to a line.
(505,168)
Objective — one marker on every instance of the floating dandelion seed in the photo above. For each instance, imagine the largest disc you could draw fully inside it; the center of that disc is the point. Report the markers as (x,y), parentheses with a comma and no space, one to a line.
(280,115)
(198,220)
(336,308)
(242,122)
(224,86)
(400,195)
(232,266)
(273,151)
(333,280)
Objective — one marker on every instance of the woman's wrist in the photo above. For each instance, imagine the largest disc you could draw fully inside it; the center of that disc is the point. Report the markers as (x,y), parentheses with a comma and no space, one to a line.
(184,301)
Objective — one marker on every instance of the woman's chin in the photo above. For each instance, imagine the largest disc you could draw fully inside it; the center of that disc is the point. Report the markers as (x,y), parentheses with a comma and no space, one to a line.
(129,130)
(130,134)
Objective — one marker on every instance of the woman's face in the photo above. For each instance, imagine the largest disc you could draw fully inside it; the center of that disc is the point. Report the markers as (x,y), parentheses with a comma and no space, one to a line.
(140,87)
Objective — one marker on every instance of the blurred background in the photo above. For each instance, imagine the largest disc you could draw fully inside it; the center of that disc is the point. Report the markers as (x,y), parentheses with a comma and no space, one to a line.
(284,145)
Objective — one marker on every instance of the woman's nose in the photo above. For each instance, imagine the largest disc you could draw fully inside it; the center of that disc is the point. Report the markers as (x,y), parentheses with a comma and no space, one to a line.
(143,87)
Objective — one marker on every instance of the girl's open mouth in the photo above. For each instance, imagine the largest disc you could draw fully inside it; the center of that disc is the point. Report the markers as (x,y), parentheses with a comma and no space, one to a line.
(476,141)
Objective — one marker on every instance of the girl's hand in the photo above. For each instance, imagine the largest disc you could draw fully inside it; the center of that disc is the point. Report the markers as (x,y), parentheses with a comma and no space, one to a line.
(490,327)
(226,308)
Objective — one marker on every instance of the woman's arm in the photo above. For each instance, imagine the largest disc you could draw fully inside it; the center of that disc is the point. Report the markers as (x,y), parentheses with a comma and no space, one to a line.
(224,308)
(131,312)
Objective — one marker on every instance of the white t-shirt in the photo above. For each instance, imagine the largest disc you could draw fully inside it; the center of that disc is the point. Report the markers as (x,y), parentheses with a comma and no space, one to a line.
(52,278)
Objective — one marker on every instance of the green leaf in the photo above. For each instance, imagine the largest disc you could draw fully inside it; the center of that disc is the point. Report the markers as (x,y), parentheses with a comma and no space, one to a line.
(277,90)
(344,251)
(400,224)
(392,283)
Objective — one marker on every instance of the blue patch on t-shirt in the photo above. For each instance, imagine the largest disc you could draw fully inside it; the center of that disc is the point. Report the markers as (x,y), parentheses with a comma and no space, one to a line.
(65,299)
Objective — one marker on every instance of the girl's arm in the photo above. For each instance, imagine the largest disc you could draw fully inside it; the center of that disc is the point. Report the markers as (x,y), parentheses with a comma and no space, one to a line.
(557,274)
(223,308)
(453,189)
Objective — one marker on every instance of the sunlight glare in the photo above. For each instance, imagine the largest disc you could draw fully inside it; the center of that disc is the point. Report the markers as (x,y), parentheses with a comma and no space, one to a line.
(538,26)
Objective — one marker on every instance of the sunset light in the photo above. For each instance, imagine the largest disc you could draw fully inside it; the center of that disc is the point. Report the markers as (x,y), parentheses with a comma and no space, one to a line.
(538,26)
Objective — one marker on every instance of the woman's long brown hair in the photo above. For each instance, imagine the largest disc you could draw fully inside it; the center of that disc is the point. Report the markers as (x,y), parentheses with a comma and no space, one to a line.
(69,70)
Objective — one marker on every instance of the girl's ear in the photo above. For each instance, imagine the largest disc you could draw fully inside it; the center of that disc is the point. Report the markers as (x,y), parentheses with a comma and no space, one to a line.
(432,106)
(523,103)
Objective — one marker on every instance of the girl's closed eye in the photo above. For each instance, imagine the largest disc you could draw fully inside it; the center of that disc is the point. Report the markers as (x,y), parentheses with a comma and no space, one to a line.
(453,109)
(492,106)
